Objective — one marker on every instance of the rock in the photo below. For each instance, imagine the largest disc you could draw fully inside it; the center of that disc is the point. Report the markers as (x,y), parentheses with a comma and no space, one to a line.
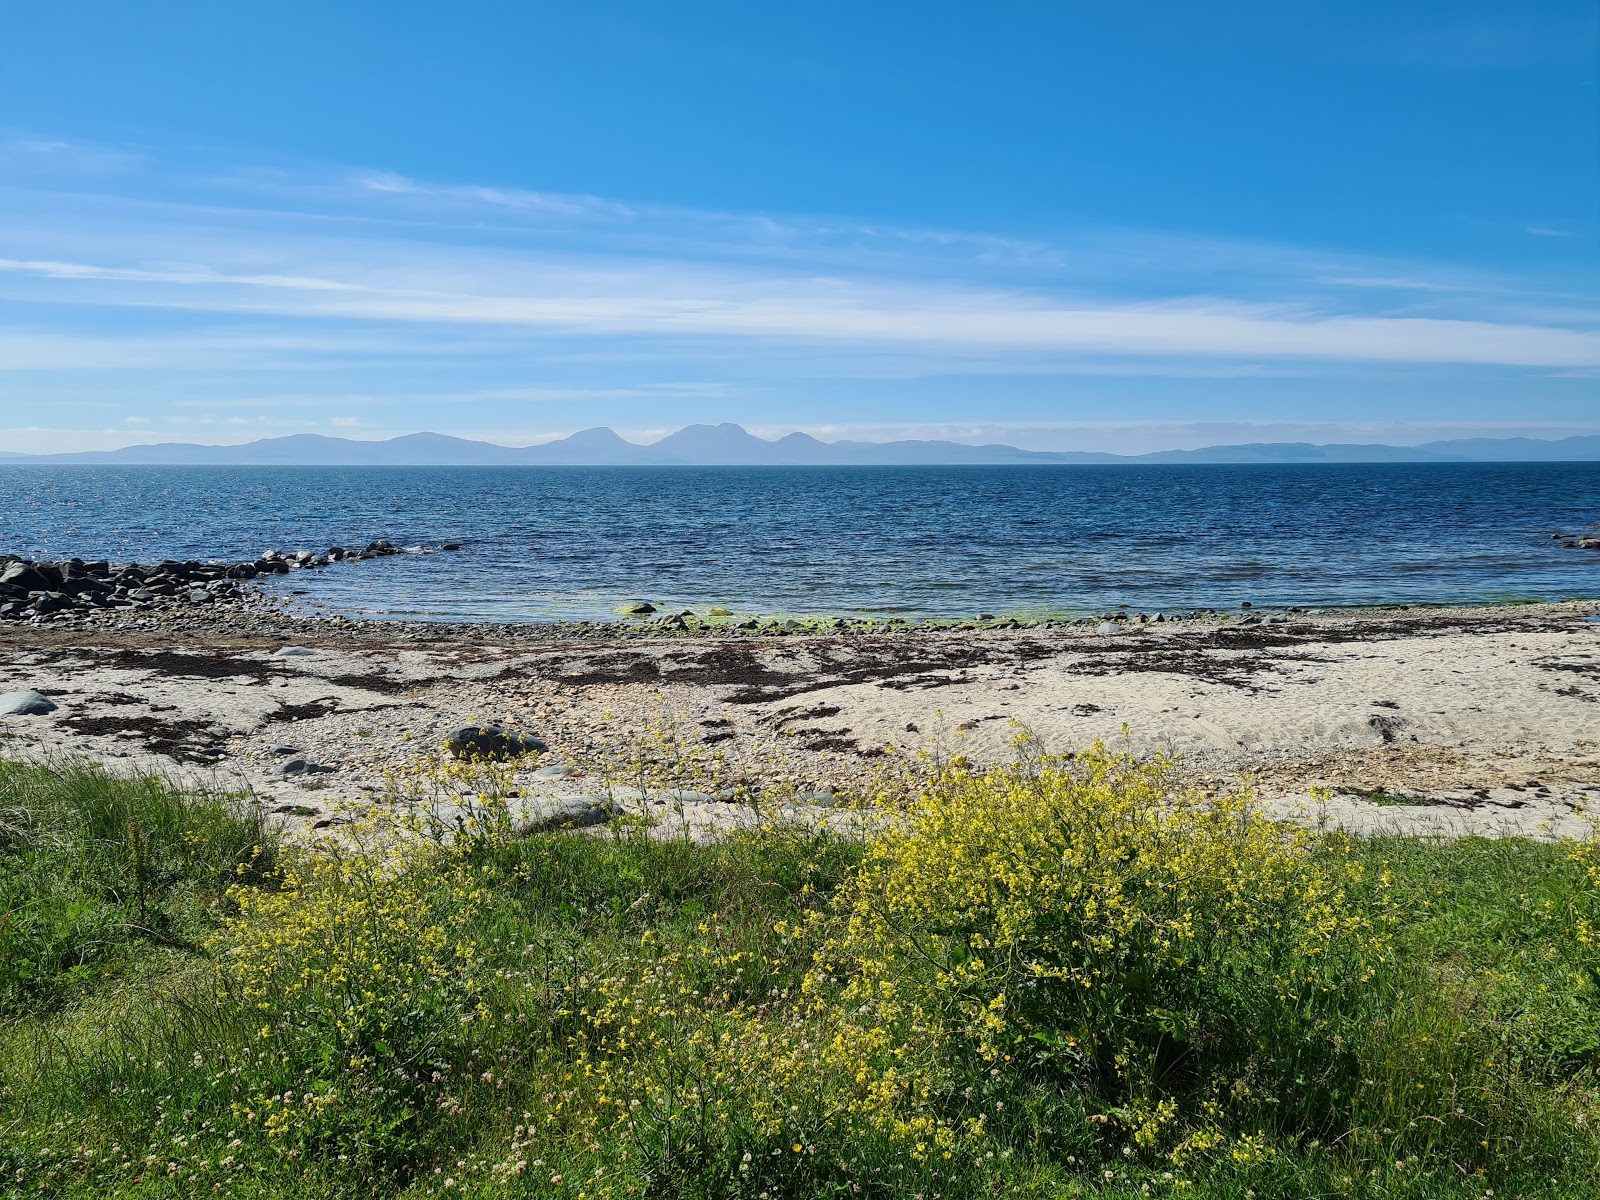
(449,545)
(824,799)
(716,610)
(540,813)
(635,608)
(1108,627)
(491,742)
(279,748)
(26,704)
(302,766)
(555,772)
(292,652)
(26,578)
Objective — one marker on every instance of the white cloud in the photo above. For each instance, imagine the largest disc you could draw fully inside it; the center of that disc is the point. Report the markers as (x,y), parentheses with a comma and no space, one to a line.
(187,291)
(676,300)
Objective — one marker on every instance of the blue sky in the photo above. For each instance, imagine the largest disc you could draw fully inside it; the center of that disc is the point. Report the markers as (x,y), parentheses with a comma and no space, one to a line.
(1058,225)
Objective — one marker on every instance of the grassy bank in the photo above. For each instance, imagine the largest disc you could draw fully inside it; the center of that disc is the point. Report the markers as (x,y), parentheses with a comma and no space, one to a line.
(1065,978)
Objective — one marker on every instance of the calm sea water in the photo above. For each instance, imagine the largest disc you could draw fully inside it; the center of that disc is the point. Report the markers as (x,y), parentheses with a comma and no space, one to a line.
(565,542)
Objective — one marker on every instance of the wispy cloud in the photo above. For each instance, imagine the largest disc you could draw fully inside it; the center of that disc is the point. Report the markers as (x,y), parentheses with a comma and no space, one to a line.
(667,300)
(380,291)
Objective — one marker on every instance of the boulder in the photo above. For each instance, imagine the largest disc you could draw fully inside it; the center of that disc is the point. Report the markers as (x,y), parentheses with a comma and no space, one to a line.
(24,576)
(292,652)
(539,813)
(26,704)
(491,742)
(635,608)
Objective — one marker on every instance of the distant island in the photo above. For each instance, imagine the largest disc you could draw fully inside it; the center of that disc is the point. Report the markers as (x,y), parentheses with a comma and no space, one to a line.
(731,445)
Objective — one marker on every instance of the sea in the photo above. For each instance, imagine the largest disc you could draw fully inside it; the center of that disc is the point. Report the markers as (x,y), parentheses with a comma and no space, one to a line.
(566,543)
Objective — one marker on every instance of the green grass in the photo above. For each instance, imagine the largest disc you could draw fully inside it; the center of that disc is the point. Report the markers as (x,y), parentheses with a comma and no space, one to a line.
(1384,799)
(638,1009)
(97,872)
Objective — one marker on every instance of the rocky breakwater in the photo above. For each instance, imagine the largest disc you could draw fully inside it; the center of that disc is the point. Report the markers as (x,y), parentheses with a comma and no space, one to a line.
(37,591)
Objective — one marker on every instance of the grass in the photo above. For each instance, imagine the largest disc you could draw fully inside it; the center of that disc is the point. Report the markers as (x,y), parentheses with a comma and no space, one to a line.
(96,872)
(1040,983)
(1385,799)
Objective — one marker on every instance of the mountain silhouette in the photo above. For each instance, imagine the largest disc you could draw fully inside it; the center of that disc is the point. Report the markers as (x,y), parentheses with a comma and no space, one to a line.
(728,444)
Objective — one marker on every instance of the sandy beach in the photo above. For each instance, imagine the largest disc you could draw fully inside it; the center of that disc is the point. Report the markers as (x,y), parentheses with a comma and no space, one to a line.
(1433,721)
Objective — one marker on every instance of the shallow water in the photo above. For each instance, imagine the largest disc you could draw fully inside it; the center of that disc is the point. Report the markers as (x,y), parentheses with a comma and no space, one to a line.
(572,542)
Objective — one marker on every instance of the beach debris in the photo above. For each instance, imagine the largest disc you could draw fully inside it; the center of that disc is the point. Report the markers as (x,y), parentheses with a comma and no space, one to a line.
(491,742)
(26,704)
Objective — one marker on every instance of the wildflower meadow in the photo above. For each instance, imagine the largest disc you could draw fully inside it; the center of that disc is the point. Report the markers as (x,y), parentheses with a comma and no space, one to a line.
(1071,975)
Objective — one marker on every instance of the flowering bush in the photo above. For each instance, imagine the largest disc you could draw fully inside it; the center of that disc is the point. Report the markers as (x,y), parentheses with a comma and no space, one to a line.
(1171,953)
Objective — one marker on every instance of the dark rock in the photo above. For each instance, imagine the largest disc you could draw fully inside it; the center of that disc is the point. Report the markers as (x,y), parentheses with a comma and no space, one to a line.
(302,766)
(24,576)
(636,608)
(491,742)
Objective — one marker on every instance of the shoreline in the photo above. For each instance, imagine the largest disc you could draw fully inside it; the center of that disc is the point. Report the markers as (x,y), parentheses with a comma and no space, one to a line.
(1481,719)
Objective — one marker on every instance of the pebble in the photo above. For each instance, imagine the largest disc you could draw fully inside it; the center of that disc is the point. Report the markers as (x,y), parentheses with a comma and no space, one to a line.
(555,772)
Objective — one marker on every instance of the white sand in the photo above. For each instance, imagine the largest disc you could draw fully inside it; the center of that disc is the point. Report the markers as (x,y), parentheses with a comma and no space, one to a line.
(1487,720)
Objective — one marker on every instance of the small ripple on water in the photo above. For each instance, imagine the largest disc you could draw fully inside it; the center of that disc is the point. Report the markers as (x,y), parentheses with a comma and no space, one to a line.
(544,544)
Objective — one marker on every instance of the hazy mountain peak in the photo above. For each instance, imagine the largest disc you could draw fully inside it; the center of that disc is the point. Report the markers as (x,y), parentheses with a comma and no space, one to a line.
(729,444)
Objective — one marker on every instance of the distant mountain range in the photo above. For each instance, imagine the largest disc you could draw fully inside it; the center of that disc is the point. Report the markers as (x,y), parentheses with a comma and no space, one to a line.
(731,445)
